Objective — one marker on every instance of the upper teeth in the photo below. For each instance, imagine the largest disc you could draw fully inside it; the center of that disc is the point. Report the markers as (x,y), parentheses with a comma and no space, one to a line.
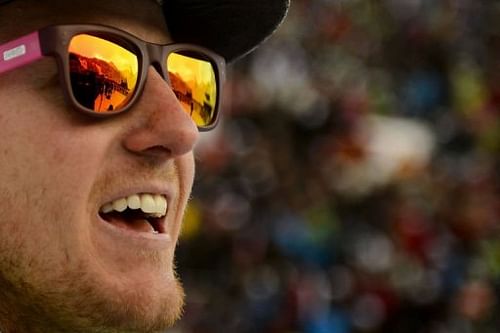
(153,204)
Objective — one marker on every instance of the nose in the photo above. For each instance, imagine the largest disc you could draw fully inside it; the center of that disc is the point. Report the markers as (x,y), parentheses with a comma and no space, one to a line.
(161,128)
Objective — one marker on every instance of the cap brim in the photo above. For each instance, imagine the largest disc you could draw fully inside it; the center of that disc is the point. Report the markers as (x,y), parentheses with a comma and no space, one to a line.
(231,28)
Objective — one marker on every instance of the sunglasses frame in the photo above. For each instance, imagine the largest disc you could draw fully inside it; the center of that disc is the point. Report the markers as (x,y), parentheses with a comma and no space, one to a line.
(54,41)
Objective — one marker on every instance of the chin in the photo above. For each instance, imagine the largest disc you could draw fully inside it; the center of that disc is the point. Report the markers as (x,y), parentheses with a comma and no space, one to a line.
(138,304)
(148,313)
(127,285)
(85,298)
(90,299)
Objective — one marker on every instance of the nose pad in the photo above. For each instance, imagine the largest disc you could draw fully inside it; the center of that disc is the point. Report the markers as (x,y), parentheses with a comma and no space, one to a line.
(162,128)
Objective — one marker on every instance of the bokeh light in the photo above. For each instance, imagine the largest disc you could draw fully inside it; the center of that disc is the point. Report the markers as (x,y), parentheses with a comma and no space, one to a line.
(353,185)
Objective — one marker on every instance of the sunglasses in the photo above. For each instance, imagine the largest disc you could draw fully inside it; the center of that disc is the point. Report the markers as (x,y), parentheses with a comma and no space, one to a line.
(103,69)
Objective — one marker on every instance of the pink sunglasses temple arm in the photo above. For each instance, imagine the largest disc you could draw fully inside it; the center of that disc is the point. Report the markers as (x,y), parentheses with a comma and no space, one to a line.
(20,52)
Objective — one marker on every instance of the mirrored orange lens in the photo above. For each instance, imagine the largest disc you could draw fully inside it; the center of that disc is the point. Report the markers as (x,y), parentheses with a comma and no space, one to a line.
(103,74)
(193,81)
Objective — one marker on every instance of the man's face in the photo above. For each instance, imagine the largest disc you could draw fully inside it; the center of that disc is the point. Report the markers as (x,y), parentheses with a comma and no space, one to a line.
(61,263)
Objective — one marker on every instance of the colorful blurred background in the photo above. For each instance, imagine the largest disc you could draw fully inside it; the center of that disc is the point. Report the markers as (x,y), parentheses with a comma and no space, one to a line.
(354,184)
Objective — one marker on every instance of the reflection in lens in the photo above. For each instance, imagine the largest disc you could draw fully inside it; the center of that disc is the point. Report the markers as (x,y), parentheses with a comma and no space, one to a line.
(103,74)
(193,81)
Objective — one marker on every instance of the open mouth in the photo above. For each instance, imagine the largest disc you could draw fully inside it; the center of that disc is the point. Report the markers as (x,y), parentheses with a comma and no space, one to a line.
(141,212)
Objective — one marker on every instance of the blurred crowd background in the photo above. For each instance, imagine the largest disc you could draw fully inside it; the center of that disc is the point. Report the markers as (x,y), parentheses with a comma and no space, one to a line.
(353,185)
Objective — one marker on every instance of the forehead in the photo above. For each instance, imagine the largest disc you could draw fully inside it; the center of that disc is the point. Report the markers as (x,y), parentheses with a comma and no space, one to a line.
(142,18)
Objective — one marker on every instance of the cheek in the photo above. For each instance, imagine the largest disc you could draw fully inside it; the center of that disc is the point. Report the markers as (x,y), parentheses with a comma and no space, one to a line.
(44,151)
(47,169)
(47,166)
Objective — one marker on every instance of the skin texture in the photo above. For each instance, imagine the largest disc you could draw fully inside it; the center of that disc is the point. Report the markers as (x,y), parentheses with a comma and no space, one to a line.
(61,270)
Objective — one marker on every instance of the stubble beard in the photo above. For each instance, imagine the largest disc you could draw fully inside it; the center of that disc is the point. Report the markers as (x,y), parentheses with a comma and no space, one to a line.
(40,294)
(74,302)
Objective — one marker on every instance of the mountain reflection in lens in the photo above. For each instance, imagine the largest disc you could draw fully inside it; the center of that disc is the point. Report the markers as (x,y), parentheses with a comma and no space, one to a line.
(193,81)
(103,74)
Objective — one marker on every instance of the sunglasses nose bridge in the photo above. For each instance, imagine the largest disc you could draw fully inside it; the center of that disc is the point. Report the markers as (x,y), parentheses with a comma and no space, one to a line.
(155,53)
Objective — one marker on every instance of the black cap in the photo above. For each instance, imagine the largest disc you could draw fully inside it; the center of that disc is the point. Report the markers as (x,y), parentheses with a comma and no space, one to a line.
(232,28)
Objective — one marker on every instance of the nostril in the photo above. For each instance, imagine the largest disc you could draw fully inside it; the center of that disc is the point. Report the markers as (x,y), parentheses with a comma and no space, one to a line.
(157,151)
(156,155)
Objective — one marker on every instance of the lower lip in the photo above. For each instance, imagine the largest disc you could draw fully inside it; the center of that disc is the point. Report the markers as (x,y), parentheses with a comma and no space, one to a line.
(135,238)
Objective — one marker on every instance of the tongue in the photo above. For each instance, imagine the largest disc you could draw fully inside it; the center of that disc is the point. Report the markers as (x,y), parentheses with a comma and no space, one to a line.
(138,224)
